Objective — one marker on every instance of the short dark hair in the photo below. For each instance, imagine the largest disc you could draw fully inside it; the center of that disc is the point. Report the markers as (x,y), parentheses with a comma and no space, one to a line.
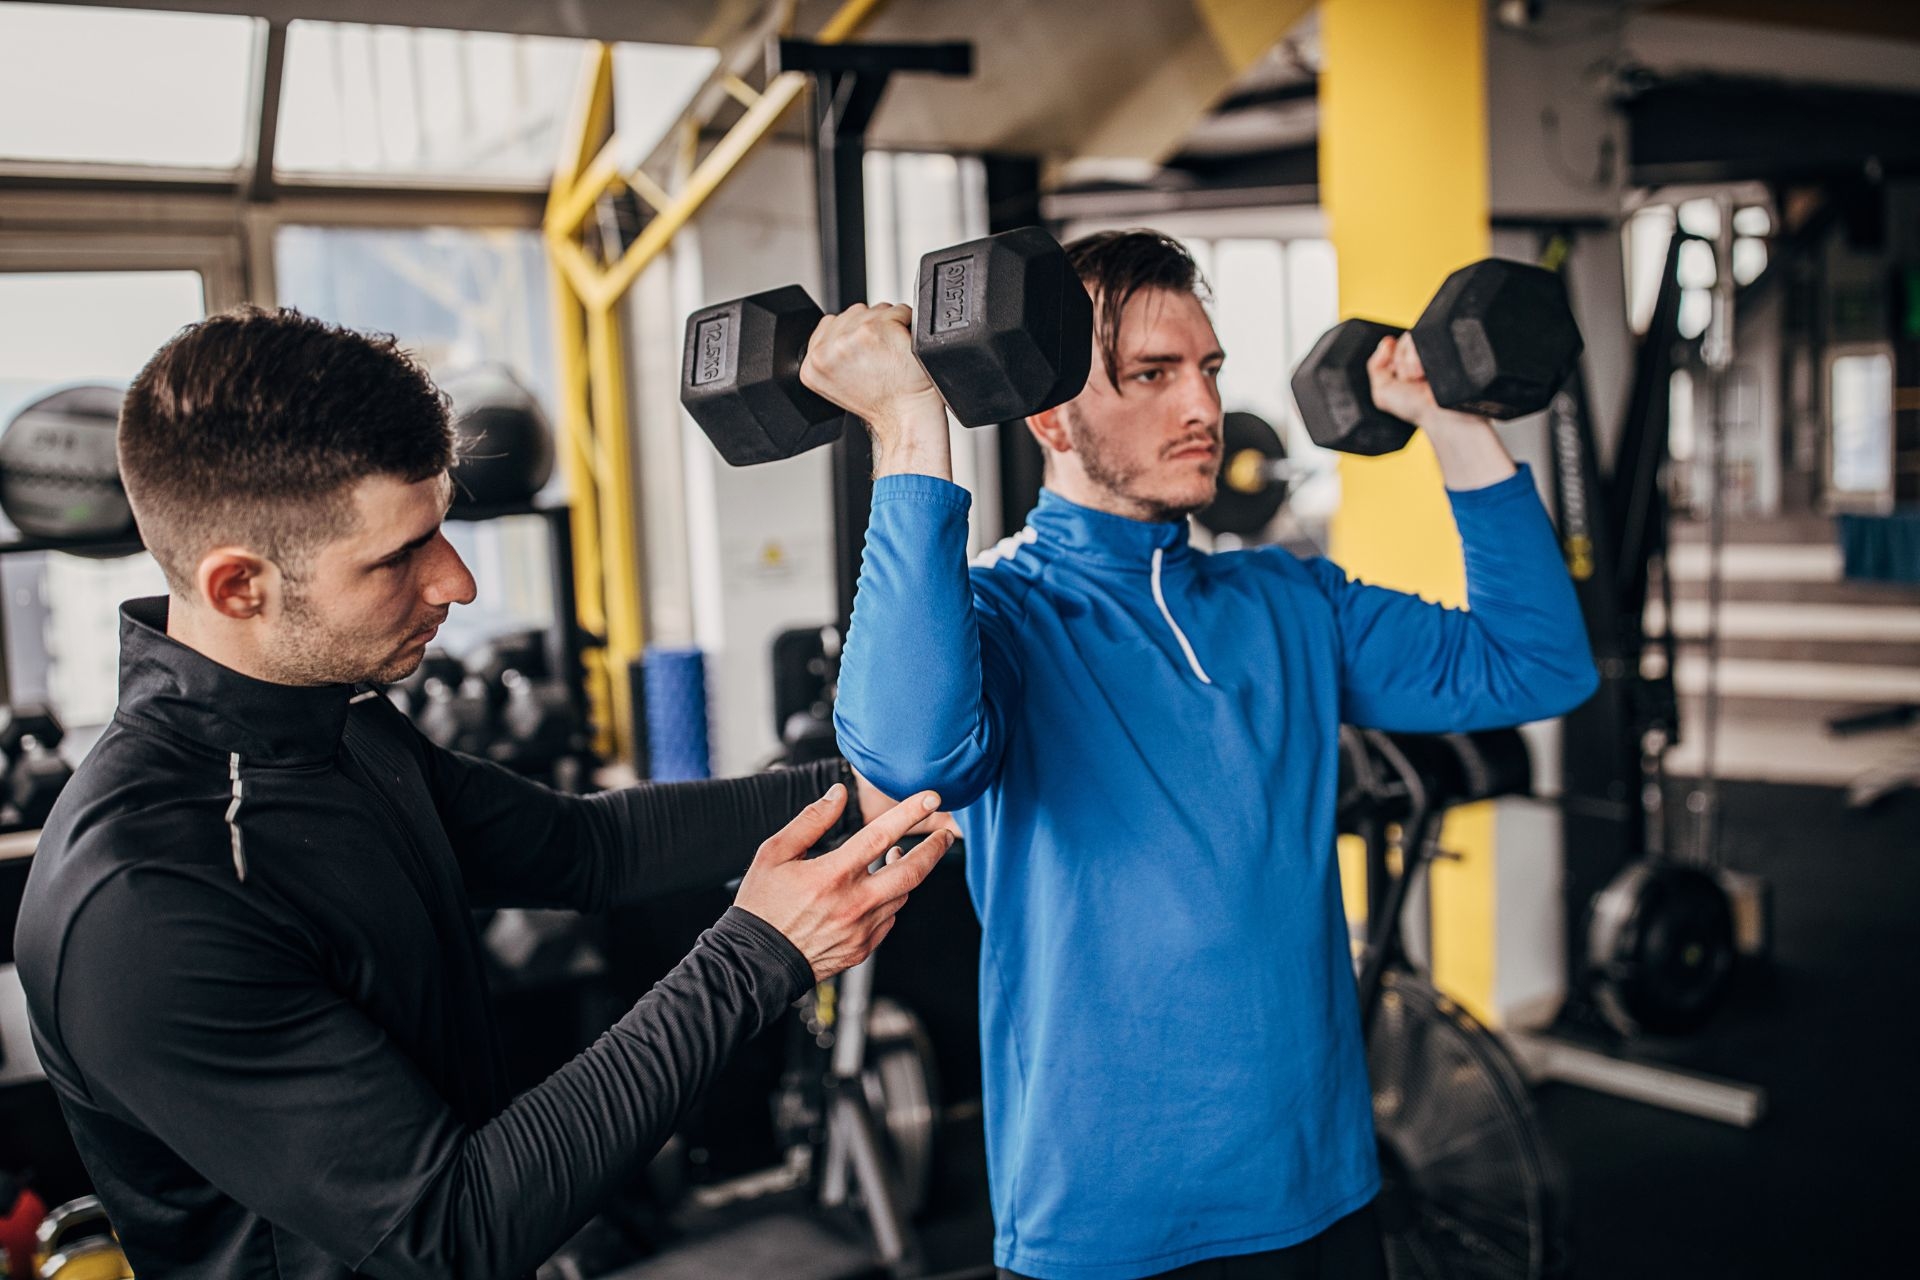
(251,426)
(1115,265)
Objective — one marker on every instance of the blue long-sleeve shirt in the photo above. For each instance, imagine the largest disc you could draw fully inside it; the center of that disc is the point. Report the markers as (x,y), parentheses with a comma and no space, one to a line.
(1140,740)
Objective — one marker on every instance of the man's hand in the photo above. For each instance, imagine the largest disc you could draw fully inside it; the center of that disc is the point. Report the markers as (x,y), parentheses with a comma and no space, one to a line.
(829,907)
(1469,449)
(874,802)
(862,359)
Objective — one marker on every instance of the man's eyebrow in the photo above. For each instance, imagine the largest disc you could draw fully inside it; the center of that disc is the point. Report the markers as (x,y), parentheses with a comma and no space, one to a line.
(412,544)
(1157,357)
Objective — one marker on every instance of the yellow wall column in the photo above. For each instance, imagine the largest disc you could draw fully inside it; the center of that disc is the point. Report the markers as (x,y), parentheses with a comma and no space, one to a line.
(1403,178)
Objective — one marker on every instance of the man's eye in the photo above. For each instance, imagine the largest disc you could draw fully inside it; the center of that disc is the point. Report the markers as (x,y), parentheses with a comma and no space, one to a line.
(1148,375)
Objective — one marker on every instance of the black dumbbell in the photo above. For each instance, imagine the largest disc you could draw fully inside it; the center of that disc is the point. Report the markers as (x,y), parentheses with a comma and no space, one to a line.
(522,652)
(1498,340)
(454,708)
(30,738)
(1003,327)
(536,719)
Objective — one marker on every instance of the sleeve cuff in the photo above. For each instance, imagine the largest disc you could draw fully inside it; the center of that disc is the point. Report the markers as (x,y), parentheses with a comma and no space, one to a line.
(758,937)
(919,488)
(1519,484)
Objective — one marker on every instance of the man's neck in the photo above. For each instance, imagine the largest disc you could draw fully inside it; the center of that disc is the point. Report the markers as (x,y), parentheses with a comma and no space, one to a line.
(1084,492)
(214,638)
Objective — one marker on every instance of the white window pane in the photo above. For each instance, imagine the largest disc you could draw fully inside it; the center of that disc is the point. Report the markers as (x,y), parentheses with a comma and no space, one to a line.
(398,101)
(1701,216)
(94,326)
(1313,307)
(115,86)
(1646,237)
(1696,309)
(652,84)
(1313,296)
(1252,330)
(1860,391)
(1749,259)
(1754,220)
(1680,439)
(62,632)
(1696,265)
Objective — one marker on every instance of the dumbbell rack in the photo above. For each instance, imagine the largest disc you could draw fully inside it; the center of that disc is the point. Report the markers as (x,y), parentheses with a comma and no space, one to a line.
(566,640)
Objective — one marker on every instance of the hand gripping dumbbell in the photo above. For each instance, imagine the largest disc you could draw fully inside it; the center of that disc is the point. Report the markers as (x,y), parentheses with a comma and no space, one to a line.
(1003,327)
(1497,340)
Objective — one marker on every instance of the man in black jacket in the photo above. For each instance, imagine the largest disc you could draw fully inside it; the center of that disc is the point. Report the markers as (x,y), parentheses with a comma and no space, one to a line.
(246,941)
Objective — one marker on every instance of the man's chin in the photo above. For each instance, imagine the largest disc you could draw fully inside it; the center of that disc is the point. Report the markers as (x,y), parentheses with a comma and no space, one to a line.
(398,667)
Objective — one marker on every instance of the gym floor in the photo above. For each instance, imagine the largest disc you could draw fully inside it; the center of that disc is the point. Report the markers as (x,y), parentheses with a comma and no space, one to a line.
(1819,1186)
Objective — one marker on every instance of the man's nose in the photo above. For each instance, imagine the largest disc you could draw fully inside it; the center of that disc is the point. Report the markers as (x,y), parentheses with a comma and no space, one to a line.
(451,581)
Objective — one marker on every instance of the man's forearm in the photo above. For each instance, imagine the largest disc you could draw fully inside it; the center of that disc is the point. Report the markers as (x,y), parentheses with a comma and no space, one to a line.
(1471,453)
(690,835)
(913,442)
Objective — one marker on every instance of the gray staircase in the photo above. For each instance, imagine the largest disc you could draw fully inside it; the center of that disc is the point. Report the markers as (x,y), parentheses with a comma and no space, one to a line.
(1799,645)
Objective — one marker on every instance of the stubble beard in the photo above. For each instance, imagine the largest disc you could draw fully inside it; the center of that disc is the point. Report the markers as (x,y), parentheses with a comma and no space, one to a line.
(313,652)
(1120,478)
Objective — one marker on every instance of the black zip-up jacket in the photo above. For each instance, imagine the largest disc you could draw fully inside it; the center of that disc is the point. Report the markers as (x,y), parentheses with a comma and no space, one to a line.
(256,987)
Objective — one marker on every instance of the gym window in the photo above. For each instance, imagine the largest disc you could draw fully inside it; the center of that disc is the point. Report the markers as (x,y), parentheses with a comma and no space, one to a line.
(110,86)
(458,105)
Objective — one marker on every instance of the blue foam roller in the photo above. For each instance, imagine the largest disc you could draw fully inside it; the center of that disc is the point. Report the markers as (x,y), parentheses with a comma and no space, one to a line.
(676,693)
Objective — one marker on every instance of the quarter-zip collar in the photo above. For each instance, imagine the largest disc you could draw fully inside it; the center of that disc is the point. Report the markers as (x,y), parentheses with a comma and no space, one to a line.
(1106,538)
(1152,547)
(182,690)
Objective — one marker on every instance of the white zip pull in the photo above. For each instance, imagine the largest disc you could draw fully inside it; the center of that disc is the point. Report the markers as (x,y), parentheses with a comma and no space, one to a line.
(1160,599)
(233,819)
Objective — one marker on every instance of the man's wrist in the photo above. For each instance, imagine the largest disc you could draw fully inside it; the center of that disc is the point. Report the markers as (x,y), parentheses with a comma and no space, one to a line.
(1442,422)
(912,439)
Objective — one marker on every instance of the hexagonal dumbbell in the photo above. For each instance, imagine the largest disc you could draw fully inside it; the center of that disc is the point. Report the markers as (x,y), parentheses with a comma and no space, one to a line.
(30,736)
(1498,340)
(1003,327)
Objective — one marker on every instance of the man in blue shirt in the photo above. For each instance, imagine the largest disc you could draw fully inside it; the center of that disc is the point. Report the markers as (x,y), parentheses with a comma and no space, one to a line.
(1140,743)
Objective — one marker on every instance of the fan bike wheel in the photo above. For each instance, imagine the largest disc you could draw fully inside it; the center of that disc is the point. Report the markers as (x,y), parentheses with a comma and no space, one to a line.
(1661,947)
(903,1094)
(1468,1189)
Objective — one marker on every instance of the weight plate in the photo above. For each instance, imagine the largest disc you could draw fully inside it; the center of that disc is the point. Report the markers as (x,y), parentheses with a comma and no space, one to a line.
(1660,948)
(1248,496)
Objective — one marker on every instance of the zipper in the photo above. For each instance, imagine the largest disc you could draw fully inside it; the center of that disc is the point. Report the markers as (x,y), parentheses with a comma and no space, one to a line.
(1160,599)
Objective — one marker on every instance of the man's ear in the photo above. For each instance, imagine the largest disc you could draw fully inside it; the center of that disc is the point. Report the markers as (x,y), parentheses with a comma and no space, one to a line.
(236,583)
(1049,427)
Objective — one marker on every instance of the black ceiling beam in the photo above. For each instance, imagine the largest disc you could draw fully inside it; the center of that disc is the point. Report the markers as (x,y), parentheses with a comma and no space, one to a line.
(1714,129)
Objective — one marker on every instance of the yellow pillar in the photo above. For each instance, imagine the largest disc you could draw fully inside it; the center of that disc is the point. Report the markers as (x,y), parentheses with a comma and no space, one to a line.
(1403,178)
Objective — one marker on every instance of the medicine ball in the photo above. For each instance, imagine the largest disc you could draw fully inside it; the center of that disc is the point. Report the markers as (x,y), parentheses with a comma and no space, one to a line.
(58,474)
(503,448)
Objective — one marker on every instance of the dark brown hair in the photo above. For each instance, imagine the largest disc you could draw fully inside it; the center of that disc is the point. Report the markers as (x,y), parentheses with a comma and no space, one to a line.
(251,426)
(1115,265)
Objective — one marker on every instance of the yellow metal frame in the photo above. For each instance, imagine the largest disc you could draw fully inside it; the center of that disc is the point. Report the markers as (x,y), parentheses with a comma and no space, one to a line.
(594,444)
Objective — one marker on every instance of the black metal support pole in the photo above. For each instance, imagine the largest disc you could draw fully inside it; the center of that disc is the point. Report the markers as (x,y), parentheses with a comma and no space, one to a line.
(848,80)
(843,102)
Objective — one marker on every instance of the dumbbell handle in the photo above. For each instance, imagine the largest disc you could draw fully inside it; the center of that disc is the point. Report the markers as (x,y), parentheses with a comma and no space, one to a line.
(1250,471)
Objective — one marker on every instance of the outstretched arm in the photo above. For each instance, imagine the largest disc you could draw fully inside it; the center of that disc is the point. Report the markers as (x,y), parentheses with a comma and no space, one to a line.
(925,675)
(222,1033)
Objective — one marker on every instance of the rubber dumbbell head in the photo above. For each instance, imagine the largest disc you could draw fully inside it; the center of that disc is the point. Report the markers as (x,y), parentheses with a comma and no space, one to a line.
(1498,339)
(1335,398)
(1003,326)
(36,773)
(516,652)
(740,377)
